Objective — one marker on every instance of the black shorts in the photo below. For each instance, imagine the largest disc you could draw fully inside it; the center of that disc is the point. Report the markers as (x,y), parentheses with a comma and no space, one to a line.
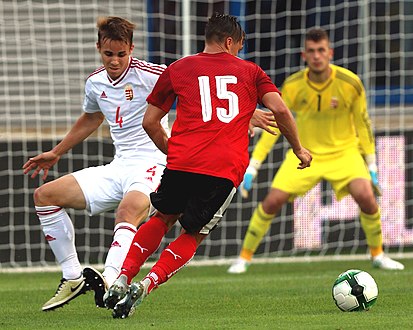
(197,196)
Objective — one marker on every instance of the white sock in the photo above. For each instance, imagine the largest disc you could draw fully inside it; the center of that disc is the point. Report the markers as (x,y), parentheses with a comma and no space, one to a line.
(379,256)
(60,234)
(124,233)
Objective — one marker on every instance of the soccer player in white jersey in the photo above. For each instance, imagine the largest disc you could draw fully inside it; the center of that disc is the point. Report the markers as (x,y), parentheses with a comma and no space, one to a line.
(117,92)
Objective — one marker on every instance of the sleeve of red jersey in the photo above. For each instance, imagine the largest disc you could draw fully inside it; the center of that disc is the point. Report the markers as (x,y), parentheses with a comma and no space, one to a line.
(264,85)
(162,95)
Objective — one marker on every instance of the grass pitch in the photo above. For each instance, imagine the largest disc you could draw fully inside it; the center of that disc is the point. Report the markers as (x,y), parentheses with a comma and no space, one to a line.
(268,296)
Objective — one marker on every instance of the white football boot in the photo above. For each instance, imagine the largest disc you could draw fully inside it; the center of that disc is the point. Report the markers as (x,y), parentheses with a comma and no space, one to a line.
(239,266)
(384,262)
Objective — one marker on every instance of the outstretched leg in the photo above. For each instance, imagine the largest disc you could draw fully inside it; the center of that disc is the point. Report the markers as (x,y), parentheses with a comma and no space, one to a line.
(146,241)
(175,256)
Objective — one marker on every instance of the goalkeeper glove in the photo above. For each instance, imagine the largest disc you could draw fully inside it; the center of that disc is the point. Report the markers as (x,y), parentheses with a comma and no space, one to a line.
(249,176)
(371,164)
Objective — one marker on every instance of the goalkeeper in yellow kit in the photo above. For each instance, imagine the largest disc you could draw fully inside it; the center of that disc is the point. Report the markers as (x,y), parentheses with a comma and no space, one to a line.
(330,107)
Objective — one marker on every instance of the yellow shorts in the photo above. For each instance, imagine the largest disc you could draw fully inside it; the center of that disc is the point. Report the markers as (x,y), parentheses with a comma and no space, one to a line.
(339,169)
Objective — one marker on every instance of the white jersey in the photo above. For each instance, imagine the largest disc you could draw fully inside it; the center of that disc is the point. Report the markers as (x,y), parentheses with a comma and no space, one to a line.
(123,103)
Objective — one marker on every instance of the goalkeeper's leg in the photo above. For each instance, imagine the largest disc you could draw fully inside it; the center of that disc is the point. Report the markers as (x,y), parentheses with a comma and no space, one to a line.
(370,219)
(259,225)
(371,224)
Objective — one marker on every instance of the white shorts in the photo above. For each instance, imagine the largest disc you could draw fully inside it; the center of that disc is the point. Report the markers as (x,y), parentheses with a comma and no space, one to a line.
(218,215)
(104,186)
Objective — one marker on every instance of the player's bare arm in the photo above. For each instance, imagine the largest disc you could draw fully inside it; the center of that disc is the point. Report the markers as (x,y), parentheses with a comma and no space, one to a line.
(287,127)
(262,119)
(151,123)
(84,126)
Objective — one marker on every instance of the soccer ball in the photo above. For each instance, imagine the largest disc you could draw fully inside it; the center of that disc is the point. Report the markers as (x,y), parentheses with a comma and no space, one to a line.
(355,290)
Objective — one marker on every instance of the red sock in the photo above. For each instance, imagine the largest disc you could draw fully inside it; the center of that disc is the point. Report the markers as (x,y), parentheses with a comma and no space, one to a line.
(147,239)
(175,256)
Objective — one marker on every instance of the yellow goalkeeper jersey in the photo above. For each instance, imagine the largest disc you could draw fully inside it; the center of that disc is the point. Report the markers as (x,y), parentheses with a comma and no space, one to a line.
(330,117)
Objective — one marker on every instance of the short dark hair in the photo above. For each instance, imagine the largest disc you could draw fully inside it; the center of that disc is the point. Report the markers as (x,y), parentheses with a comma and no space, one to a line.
(115,28)
(221,26)
(316,35)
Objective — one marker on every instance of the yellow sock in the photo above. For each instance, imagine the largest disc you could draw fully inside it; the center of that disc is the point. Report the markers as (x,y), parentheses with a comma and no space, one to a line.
(371,224)
(259,225)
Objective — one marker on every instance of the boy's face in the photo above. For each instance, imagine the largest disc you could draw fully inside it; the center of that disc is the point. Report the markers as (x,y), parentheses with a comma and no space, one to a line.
(115,56)
(317,55)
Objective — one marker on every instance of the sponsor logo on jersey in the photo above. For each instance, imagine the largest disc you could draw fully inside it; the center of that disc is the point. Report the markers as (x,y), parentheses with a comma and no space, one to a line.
(129,92)
(334,102)
(103,95)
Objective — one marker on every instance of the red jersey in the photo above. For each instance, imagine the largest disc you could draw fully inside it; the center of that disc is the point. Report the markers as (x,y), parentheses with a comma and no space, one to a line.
(216,97)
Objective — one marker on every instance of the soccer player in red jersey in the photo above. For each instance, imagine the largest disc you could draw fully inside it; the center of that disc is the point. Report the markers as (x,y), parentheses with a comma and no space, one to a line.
(115,92)
(207,153)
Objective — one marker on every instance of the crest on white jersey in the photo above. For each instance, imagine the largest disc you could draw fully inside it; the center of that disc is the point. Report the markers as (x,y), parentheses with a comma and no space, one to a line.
(129,92)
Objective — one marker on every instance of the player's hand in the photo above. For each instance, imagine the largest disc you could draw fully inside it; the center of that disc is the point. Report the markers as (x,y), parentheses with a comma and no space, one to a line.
(305,158)
(375,180)
(262,119)
(371,162)
(42,162)
(246,184)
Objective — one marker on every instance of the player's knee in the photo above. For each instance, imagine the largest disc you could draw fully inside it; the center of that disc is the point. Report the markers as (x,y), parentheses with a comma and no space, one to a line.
(369,208)
(133,216)
(368,204)
(168,219)
(41,196)
(272,205)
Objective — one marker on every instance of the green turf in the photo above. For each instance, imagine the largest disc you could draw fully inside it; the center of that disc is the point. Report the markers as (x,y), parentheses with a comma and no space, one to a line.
(268,296)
